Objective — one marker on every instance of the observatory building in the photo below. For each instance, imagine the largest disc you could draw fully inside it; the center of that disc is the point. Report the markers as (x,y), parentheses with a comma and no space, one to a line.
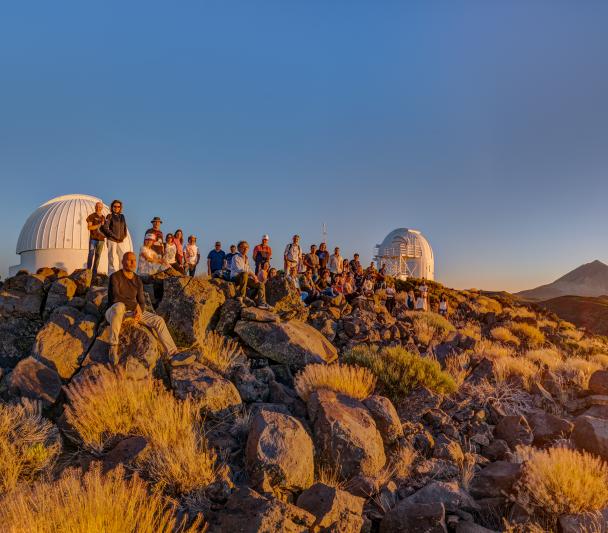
(407,254)
(56,235)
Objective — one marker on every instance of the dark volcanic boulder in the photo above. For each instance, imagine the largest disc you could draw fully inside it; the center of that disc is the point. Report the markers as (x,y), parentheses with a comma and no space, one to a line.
(17,336)
(345,434)
(64,340)
(279,452)
(32,379)
(548,428)
(21,297)
(385,415)
(294,343)
(598,382)
(591,434)
(495,480)
(285,298)
(189,306)
(448,493)
(409,517)
(514,430)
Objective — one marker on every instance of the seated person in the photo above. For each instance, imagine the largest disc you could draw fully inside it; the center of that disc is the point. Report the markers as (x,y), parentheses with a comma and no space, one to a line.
(242,274)
(308,285)
(367,287)
(324,280)
(149,261)
(263,272)
(273,273)
(126,299)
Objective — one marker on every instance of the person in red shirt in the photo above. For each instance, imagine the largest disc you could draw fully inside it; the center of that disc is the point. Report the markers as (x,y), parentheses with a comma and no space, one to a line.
(262,253)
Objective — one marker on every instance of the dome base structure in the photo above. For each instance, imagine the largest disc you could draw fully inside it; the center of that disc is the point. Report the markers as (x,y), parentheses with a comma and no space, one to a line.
(56,235)
(406,254)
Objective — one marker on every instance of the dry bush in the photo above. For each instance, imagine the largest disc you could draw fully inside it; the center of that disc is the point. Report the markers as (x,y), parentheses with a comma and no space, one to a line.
(530,335)
(505,396)
(520,312)
(601,359)
(218,352)
(90,503)
(578,370)
(494,350)
(457,366)
(547,357)
(29,445)
(399,371)
(356,382)
(471,329)
(401,461)
(329,476)
(562,481)
(568,330)
(515,367)
(503,334)
(113,405)
(429,326)
(546,323)
(488,305)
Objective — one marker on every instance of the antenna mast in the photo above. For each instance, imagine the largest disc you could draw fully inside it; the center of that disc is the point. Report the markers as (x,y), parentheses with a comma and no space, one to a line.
(324,230)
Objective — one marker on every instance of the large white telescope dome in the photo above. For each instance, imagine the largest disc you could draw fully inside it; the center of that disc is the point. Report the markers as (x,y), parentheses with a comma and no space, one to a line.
(407,254)
(56,235)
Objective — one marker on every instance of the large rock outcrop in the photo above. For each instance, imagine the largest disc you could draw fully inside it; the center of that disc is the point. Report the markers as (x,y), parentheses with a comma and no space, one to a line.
(64,340)
(279,452)
(32,379)
(22,296)
(345,434)
(335,509)
(293,343)
(189,306)
(17,337)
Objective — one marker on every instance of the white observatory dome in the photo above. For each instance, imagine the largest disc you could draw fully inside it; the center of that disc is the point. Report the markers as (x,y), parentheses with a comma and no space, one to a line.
(407,254)
(56,235)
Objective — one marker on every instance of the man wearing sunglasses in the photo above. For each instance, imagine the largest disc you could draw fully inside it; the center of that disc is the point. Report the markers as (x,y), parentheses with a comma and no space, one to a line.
(115,230)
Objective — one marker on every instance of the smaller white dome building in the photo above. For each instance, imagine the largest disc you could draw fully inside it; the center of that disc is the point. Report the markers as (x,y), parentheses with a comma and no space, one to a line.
(56,235)
(407,254)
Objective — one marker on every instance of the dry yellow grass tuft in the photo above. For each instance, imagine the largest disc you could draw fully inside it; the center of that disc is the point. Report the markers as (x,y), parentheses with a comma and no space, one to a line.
(29,445)
(218,352)
(530,335)
(429,326)
(503,334)
(488,305)
(547,357)
(90,504)
(494,350)
(457,366)
(509,367)
(520,312)
(177,454)
(578,370)
(560,480)
(401,461)
(354,381)
(601,359)
(471,329)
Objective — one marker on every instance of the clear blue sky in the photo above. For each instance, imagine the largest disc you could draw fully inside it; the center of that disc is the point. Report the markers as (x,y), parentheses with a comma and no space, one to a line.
(483,124)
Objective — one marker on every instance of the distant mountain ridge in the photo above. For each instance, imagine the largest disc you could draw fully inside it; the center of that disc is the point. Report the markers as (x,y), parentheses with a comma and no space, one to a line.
(590,313)
(590,280)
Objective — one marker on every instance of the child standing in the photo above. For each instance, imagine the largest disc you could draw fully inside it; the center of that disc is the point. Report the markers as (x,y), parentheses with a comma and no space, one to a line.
(191,255)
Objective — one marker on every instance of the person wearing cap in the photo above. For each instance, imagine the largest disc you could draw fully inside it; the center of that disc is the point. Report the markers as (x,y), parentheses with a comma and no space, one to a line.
(215,259)
(293,255)
(149,262)
(262,253)
(241,274)
(115,230)
(191,256)
(158,246)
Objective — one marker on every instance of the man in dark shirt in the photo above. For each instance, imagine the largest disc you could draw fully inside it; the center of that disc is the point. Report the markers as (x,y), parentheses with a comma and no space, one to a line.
(96,238)
(355,264)
(229,256)
(126,299)
(215,259)
(115,230)
(159,243)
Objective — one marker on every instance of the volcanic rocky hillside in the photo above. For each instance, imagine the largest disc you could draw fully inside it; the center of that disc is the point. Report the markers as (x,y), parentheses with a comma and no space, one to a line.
(590,279)
(337,417)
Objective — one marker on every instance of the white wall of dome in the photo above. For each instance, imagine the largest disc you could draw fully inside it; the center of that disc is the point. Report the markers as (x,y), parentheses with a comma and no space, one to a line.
(56,235)
(407,254)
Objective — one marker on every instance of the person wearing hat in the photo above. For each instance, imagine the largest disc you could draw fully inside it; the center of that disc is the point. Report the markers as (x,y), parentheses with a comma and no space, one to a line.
(215,259)
(149,262)
(159,244)
(262,253)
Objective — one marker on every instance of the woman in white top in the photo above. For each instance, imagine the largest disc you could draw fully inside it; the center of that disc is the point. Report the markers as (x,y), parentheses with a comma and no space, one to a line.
(149,261)
(420,303)
(170,255)
(443,306)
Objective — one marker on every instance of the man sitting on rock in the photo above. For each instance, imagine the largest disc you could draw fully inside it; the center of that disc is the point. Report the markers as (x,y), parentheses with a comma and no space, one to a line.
(126,299)
(243,276)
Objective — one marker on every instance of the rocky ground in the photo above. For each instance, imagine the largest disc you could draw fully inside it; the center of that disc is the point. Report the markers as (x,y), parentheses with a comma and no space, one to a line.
(442,447)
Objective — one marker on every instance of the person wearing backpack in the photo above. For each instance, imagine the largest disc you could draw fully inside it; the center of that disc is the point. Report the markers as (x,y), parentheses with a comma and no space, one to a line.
(293,255)
(262,253)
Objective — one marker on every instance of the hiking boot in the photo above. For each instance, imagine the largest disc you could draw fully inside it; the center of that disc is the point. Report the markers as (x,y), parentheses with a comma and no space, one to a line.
(113,354)
(264,305)
(249,302)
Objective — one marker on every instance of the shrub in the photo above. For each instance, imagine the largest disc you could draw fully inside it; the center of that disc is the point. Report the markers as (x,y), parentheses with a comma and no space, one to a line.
(494,350)
(29,445)
(353,381)
(529,334)
(457,366)
(502,334)
(218,352)
(515,367)
(93,502)
(113,405)
(429,326)
(471,329)
(401,461)
(488,305)
(578,370)
(601,359)
(399,371)
(548,357)
(520,312)
(560,480)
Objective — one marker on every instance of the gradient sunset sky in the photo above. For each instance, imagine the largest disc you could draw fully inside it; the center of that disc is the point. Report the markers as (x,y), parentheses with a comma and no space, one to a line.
(483,124)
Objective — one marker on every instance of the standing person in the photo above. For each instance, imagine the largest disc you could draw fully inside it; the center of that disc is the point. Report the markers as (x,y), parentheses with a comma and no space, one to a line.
(411,300)
(178,239)
(424,290)
(159,244)
(345,266)
(242,275)
(126,299)
(355,264)
(115,230)
(311,260)
(170,256)
(323,256)
(215,259)
(293,254)
(420,303)
(229,256)
(149,261)
(443,306)
(262,253)
(96,239)
(191,256)
(390,296)
(336,262)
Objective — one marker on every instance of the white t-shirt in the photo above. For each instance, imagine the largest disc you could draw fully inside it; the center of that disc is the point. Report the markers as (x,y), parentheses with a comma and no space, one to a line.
(170,253)
(191,252)
(293,252)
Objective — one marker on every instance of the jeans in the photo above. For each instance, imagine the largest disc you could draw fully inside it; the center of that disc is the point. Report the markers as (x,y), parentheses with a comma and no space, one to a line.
(116,314)
(95,249)
(191,270)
